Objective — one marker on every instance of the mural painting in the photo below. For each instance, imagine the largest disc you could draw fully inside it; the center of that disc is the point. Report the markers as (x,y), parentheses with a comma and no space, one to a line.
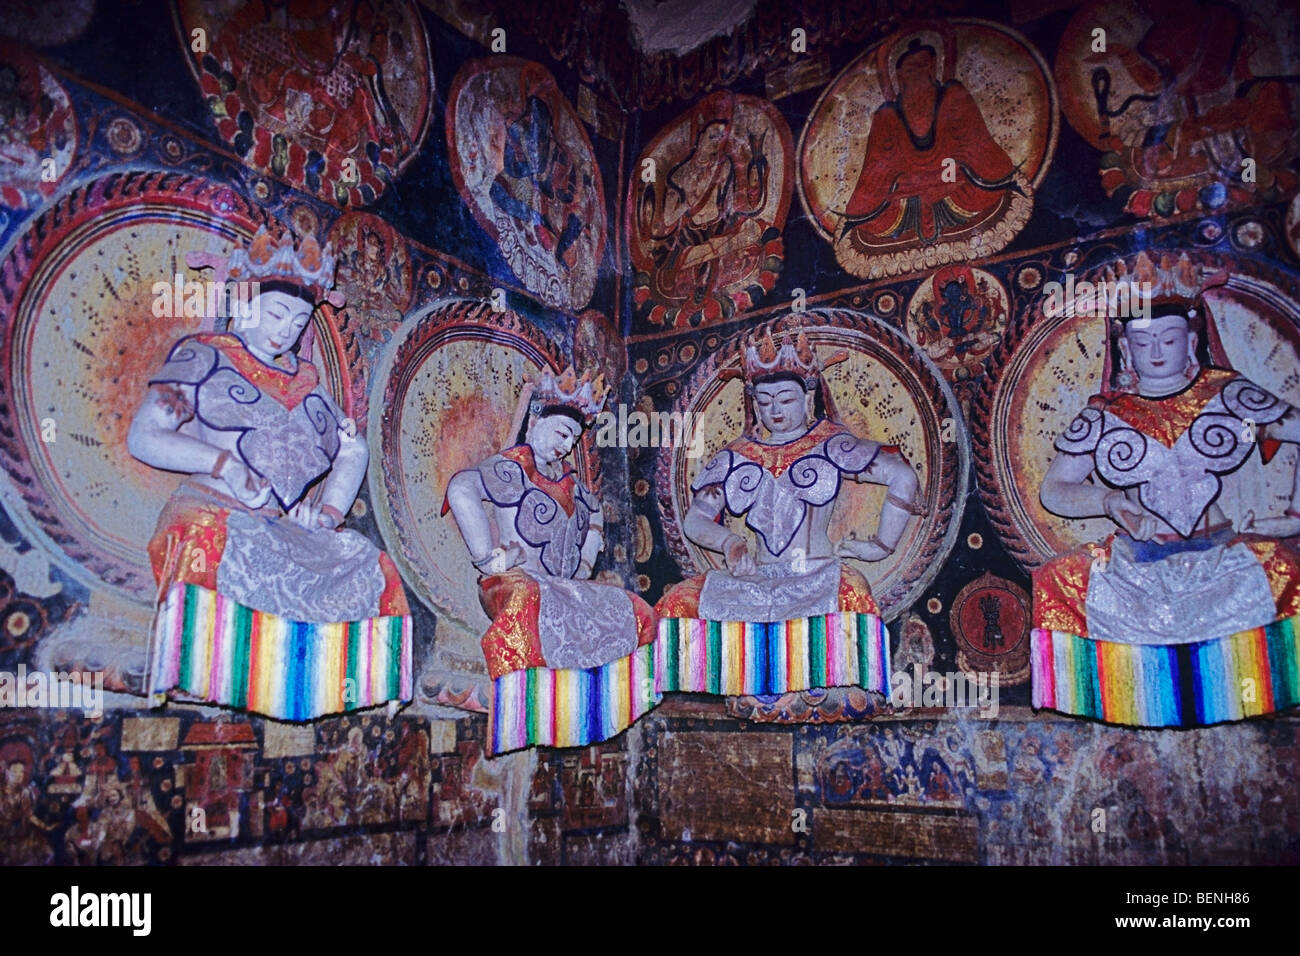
(705,215)
(336,104)
(386,505)
(525,167)
(944,153)
(1193,105)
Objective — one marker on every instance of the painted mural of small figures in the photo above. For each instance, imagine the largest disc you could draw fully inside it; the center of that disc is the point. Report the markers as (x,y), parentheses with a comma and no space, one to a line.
(534,532)
(21,829)
(109,813)
(82,841)
(38,130)
(369,262)
(539,181)
(274,466)
(313,80)
(931,165)
(412,785)
(1182,100)
(374,272)
(66,776)
(1149,452)
(784,475)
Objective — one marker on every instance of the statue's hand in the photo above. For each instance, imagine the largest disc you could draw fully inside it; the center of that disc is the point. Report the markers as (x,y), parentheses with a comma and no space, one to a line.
(1131,516)
(501,559)
(739,560)
(1283,527)
(869,550)
(252,491)
(310,516)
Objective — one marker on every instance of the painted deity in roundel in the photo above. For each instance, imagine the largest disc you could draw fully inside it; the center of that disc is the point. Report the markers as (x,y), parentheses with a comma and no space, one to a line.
(38,131)
(957,316)
(1190,102)
(706,209)
(526,168)
(927,148)
(336,100)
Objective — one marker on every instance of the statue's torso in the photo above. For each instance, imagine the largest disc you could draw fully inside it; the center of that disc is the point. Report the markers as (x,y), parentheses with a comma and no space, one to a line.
(787,492)
(549,520)
(1169,454)
(281,424)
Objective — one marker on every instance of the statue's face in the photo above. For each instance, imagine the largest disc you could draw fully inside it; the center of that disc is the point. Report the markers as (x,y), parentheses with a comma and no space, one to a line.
(15,774)
(281,319)
(553,437)
(781,406)
(1161,348)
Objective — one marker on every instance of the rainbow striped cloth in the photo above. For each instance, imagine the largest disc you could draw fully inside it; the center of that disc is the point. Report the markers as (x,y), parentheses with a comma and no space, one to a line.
(745,657)
(215,649)
(1176,685)
(571,707)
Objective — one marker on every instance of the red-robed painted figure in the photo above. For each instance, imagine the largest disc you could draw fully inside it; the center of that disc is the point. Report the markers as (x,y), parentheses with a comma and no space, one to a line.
(931,167)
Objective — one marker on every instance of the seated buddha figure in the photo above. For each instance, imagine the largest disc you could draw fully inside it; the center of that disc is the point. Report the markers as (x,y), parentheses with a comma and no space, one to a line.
(1177,618)
(789,614)
(571,659)
(265,603)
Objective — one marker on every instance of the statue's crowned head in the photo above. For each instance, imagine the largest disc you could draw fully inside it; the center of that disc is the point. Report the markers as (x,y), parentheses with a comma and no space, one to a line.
(1172,336)
(560,407)
(784,389)
(291,278)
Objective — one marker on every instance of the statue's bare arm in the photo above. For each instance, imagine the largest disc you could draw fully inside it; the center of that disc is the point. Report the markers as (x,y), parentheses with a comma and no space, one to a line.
(1067,492)
(701,526)
(346,475)
(154,439)
(1288,524)
(592,545)
(889,468)
(466,496)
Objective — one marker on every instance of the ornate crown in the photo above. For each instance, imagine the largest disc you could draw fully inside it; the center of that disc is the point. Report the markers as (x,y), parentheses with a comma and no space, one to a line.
(1171,281)
(584,394)
(762,355)
(269,259)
